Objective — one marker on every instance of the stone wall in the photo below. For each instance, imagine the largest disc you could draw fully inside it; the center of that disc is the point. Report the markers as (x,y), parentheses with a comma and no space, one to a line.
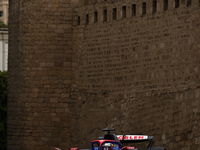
(139,73)
(153,51)
(78,71)
(39,74)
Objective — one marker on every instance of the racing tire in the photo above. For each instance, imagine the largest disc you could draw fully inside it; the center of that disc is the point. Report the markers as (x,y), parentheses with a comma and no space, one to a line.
(156,148)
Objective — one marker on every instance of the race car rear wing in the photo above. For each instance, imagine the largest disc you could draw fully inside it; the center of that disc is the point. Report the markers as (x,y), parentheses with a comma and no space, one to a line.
(135,139)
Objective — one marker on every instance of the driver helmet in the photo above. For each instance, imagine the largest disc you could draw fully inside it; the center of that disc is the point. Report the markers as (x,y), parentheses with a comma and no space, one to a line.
(107,146)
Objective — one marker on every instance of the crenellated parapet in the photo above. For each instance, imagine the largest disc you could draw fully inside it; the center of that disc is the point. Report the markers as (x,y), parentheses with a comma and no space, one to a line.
(120,9)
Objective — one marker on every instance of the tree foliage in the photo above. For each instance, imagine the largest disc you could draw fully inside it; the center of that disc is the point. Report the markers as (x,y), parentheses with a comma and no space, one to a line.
(3,110)
(2,25)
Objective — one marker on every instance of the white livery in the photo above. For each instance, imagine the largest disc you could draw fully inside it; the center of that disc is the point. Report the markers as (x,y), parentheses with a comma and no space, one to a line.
(132,137)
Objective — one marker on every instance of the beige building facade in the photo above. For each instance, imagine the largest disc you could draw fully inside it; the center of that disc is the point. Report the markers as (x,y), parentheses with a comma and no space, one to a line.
(4,7)
(3,50)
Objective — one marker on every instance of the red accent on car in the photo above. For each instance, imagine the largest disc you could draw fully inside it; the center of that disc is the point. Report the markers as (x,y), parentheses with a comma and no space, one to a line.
(130,148)
(141,137)
(127,147)
(120,137)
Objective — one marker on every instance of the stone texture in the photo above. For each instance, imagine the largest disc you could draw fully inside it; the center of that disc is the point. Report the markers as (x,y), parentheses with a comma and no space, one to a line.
(143,70)
(39,32)
(137,74)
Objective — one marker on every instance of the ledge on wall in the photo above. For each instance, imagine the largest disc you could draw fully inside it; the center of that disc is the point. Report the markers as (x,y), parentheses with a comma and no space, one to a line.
(3,29)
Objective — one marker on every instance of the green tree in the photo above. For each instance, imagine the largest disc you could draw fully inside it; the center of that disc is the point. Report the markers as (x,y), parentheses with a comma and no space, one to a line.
(2,25)
(3,110)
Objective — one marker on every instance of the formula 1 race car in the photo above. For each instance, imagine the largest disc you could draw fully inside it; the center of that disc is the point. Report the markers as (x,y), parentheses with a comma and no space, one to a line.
(115,142)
